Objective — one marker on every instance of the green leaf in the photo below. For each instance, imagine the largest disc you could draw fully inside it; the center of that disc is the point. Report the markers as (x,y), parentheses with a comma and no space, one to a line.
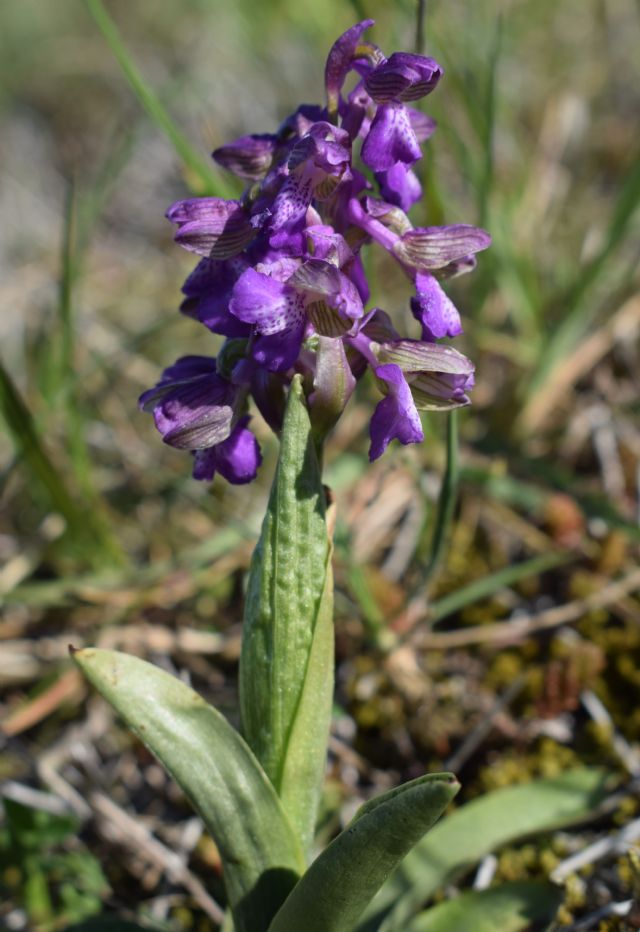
(286,667)
(217,771)
(336,889)
(476,829)
(511,907)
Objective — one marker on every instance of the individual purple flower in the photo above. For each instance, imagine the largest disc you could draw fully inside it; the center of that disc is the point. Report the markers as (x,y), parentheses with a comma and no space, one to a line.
(280,299)
(318,163)
(396,416)
(276,311)
(439,376)
(403,76)
(195,409)
(394,135)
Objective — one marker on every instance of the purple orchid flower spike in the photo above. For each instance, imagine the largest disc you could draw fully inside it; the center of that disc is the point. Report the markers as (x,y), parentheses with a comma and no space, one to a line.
(195,409)
(282,276)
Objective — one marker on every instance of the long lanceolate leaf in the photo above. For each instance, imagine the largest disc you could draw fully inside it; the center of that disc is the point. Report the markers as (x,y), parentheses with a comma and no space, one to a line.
(461,839)
(336,889)
(286,669)
(209,760)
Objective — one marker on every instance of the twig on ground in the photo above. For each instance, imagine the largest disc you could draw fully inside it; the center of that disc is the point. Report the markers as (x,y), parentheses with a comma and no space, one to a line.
(515,630)
(128,831)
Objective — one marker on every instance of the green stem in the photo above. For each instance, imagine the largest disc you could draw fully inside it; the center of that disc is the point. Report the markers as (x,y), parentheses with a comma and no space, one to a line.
(447,499)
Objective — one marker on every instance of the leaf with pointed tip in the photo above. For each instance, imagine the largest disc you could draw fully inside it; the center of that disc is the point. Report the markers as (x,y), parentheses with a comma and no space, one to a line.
(210,761)
(511,907)
(286,667)
(336,889)
(476,829)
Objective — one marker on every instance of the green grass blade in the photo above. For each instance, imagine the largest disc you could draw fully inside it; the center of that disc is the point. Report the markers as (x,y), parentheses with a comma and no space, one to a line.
(490,106)
(494,582)
(447,499)
(577,314)
(207,180)
(84,531)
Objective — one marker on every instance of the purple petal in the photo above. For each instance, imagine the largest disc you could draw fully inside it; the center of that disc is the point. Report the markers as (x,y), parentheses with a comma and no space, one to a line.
(341,57)
(248,157)
(271,305)
(391,139)
(236,459)
(211,226)
(358,276)
(278,352)
(396,416)
(356,111)
(420,356)
(399,185)
(427,248)
(403,76)
(434,309)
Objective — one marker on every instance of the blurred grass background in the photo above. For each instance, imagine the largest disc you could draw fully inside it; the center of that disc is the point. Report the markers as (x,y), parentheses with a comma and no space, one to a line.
(104,535)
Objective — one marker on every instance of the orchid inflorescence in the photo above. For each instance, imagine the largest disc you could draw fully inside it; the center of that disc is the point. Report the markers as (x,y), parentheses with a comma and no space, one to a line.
(282,279)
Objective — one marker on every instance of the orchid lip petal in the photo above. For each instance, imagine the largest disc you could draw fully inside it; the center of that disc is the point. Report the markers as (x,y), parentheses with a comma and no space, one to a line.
(396,416)
(391,139)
